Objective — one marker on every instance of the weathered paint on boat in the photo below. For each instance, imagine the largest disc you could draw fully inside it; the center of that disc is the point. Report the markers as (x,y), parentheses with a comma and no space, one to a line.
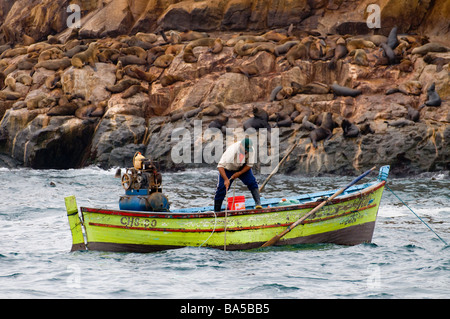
(347,220)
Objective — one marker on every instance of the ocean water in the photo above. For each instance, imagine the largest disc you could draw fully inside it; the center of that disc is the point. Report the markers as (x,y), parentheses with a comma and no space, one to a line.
(405,259)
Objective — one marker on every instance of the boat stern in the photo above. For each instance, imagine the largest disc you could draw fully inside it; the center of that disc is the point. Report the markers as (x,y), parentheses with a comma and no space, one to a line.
(75,224)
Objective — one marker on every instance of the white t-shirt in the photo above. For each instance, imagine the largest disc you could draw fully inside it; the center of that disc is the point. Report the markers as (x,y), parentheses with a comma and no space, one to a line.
(233,159)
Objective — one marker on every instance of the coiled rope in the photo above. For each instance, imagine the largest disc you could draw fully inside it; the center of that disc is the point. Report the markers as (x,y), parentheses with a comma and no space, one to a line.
(416,215)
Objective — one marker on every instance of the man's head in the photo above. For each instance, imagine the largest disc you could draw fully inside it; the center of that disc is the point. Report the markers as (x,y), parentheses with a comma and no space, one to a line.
(247,144)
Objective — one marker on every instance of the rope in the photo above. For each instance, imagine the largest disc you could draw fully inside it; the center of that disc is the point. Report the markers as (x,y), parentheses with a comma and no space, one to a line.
(416,215)
(214,229)
(226,215)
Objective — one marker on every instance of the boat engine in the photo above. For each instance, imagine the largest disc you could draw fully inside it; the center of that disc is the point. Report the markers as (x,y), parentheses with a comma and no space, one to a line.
(143,190)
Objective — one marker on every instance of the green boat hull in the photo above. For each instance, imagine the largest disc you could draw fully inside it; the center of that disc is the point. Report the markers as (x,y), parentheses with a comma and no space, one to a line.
(347,220)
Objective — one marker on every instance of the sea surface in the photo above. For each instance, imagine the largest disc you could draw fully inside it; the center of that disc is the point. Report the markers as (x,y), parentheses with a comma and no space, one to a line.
(405,259)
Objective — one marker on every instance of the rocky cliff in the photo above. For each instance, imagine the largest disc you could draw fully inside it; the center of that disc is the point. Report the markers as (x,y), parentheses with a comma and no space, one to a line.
(155,67)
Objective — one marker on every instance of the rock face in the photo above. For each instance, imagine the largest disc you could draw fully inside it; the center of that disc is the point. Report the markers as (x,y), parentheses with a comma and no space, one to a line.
(126,102)
(114,17)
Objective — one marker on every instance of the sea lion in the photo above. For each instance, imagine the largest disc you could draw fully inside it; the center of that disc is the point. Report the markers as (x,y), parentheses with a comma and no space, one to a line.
(299,51)
(438,61)
(8,95)
(213,109)
(146,37)
(188,55)
(283,48)
(410,88)
(274,36)
(40,101)
(169,79)
(365,129)
(25,79)
(26,64)
(219,123)
(360,57)
(392,40)
(50,54)
(122,85)
(318,134)
(402,49)
(406,65)
(100,109)
(145,76)
(310,88)
(193,35)
(359,44)
(53,81)
(259,120)
(377,39)
(66,109)
(248,70)
(11,53)
(307,125)
(266,46)
(38,47)
(278,94)
(344,91)
(430,47)
(10,68)
(413,114)
(88,111)
(174,49)
(108,55)
(317,49)
(163,61)
(433,98)
(339,52)
(328,122)
(399,123)
(389,53)
(192,113)
(58,64)
(217,47)
(350,129)
(131,59)
(10,82)
(137,51)
(178,113)
(154,53)
(245,38)
(77,49)
(239,49)
(88,56)
(5,47)
(283,120)
(132,90)
(174,37)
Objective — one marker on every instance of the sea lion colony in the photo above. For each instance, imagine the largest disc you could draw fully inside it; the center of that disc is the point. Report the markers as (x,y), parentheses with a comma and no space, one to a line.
(143,59)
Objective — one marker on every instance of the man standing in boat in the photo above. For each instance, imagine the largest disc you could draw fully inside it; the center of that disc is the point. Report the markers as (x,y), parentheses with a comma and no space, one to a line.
(237,162)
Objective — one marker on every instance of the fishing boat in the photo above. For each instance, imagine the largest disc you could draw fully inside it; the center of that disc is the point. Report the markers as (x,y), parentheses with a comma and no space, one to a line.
(145,222)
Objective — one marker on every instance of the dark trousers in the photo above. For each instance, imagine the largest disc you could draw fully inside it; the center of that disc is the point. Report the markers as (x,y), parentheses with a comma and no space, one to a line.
(247,178)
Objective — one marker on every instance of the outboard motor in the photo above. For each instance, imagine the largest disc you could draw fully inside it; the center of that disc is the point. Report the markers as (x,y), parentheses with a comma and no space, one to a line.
(142,184)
